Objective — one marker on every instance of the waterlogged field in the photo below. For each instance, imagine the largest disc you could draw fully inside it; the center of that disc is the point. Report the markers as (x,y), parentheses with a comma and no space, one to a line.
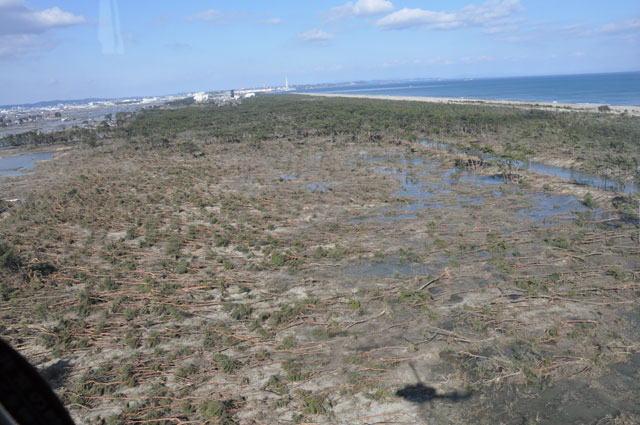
(214,273)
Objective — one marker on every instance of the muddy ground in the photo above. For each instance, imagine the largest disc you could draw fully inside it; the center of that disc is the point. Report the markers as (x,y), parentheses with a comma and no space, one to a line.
(319,280)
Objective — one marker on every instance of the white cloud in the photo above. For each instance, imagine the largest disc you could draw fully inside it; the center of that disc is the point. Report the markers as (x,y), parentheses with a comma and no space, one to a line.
(487,14)
(407,18)
(211,16)
(22,28)
(330,68)
(627,31)
(630,25)
(10,3)
(360,8)
(500,29)
(437,61)
(16,45)
(372,7)
(224,17)
(271,21)
(574,28)
(17,18)
(315,36)
(216,17)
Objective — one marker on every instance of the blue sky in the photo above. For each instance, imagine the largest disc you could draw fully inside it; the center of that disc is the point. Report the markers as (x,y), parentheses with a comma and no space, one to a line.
(67,49)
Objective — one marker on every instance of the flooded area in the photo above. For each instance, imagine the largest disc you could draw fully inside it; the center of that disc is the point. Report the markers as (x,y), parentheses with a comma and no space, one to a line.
(578,401)
(433,189)
(319,187)
(18,165)
(547,206)
(579,177)
(387,268)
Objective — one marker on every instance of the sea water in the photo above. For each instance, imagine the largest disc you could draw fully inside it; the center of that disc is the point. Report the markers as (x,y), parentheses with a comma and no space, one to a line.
(610,89)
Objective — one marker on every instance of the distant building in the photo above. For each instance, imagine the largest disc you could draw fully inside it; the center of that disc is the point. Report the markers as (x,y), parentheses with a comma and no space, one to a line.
(201,97)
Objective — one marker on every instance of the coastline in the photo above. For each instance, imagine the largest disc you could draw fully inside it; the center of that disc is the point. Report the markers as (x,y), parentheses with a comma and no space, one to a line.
(546,106)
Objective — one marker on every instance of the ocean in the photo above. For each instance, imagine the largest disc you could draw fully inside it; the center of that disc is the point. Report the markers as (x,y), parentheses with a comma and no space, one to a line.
(607,89)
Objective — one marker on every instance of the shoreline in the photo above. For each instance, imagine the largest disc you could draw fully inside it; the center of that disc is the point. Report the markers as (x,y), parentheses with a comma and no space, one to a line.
(11,151)
(572,107)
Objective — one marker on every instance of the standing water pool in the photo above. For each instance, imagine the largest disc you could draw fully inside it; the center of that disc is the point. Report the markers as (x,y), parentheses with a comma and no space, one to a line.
(17,165)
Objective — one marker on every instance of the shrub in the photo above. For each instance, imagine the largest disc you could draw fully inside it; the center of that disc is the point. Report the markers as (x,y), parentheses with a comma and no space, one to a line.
(174,244)
(8,258)
(277,259)
(589,202)
(226,364)
(213,409)
(278,385)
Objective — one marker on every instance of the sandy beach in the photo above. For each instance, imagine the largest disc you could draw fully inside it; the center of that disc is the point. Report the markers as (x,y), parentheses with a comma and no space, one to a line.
(578,107)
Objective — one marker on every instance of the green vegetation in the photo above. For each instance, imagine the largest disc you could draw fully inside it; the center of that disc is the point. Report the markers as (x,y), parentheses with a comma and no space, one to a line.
(516,132)
(588,201)
(8,257)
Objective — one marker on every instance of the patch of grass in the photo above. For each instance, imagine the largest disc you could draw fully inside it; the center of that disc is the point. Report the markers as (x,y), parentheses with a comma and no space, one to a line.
(338,252)
(278,385)
(8,257)
(108,284)
(532,286)
(439,243)
(588,201)
(288,343)
(560,242)
(132,340)
(617,273)
(85,303)
(277,259)
(186,370)
(293,370)
(127,375)
(225,363)
(355,305)
(313,404)
(211,337)
(213,410)
(289,312)
(380,394)
(320,253)
(241,312)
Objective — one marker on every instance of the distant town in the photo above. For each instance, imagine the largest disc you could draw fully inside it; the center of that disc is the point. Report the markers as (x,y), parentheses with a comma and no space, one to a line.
(44,117)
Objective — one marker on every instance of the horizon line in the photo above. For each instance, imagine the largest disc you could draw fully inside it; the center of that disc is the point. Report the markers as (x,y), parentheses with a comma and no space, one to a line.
(90,98)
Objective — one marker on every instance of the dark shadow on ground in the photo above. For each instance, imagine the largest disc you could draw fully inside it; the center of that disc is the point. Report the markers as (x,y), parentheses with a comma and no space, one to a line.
(420,393)
(424,397)
(56,374)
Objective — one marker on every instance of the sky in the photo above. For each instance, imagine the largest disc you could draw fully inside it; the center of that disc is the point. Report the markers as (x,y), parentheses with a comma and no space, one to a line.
(74,49)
